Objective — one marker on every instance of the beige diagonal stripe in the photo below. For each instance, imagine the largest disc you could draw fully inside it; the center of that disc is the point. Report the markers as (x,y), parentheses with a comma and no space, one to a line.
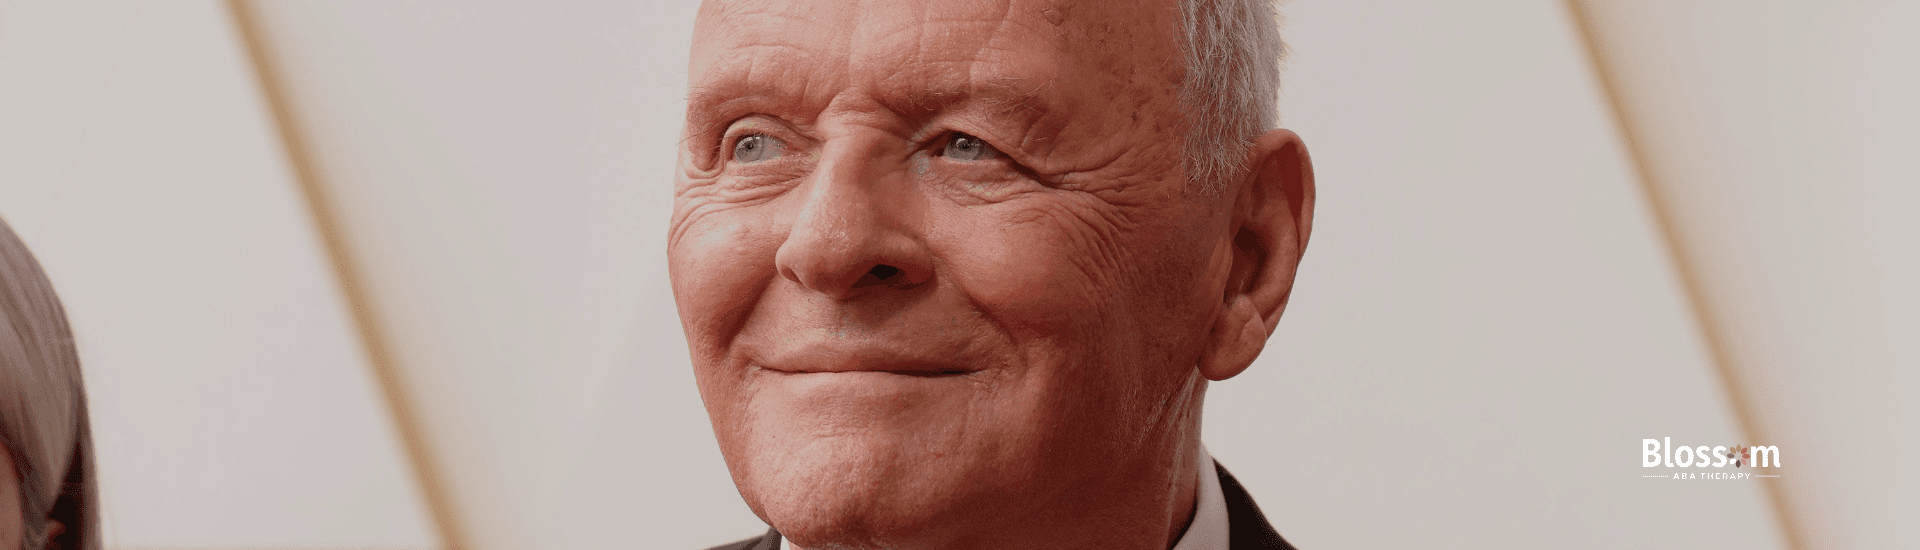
(425,468)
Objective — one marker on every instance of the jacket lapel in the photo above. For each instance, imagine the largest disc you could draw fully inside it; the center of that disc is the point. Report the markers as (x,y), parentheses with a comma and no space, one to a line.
(1247,528)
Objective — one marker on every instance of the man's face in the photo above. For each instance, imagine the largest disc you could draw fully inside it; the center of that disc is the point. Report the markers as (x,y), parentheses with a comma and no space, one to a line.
(936,261)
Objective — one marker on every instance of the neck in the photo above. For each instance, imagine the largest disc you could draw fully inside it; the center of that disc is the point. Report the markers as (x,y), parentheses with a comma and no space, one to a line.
(1184,491)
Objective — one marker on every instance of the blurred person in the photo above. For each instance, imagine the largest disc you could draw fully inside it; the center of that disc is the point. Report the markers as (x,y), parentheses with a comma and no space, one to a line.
(957,274)
(50,500)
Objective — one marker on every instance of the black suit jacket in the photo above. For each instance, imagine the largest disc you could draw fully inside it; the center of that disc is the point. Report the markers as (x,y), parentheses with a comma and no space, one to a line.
(1247,528)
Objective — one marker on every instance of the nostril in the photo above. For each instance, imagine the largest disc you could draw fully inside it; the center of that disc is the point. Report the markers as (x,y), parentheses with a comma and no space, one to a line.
(879,275)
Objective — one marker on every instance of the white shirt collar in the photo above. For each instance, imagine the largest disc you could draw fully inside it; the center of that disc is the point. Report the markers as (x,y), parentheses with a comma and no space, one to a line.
(1208,531)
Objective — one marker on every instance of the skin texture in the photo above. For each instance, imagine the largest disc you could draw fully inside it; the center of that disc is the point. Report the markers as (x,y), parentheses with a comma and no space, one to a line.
(906,340)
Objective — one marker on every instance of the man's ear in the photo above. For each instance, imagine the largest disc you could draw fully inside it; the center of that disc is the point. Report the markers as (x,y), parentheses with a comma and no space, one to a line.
(1272,217)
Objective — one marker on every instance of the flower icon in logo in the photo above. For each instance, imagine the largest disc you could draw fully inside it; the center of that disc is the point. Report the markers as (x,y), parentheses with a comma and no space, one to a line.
(1740,454)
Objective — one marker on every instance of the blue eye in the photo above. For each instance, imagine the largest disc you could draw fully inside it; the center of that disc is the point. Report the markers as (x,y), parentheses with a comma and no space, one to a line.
(966,147)
(756,148)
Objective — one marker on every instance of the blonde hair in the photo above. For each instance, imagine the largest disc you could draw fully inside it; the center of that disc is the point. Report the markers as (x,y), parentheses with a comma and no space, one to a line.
(43,406)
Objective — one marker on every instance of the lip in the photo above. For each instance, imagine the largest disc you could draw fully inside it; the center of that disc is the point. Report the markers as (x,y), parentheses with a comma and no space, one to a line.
(845,357)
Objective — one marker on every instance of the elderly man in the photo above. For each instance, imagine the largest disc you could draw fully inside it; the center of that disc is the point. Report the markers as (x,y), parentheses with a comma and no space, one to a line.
(956,274)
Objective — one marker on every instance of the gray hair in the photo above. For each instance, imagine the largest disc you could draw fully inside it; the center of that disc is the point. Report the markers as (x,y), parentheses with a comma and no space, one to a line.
(43,406)
(1231,91)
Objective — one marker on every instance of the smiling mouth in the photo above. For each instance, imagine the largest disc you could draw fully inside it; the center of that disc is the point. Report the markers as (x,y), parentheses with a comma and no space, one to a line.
(918,373)
(930,374)
(869,357)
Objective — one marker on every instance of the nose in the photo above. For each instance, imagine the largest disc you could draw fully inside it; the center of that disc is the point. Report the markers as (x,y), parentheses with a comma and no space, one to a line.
(855,233)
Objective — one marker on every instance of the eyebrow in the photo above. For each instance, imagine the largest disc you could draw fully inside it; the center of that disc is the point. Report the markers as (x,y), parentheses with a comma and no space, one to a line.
(1014,95)
(705,103)
(1019,99)
(1019,107)
(723,93)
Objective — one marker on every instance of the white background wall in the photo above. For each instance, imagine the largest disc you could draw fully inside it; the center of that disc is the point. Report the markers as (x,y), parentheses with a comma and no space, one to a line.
(231,404)
(1780,139)
(1487,323)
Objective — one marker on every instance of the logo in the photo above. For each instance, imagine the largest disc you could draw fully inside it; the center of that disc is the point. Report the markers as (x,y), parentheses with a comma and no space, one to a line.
(1660,453)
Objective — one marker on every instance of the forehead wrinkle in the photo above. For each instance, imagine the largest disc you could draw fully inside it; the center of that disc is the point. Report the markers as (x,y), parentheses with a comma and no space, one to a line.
(992,78)
(913,52)
(1001,95)
(774,79)
(767,51)
(1023,98)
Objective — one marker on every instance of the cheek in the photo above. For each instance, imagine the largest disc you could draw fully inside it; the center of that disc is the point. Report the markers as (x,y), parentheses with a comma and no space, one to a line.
(1040,269)
(720,261)
(1082,282)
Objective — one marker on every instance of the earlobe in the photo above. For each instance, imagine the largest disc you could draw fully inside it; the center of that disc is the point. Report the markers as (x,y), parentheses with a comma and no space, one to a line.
(1239,333)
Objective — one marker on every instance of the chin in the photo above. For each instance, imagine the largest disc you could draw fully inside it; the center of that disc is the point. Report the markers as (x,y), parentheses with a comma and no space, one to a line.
(869,460)
(862,490)
(844,495)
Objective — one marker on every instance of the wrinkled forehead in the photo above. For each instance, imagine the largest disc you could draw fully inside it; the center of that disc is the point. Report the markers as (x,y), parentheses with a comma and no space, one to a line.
(915,55)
